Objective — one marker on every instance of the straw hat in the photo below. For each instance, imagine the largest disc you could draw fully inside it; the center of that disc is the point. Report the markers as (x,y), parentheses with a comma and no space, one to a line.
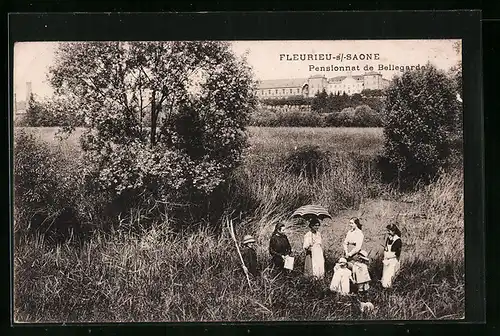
(248,239)
(363,255)
(342,261)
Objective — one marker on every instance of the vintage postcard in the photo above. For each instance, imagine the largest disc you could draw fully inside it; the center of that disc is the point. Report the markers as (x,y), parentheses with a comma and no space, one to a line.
(197,181)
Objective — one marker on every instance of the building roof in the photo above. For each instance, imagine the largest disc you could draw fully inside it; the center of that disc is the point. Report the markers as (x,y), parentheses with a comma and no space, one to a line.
(341,78)
(299,82)
(282,83)
(318,76)
(369,73)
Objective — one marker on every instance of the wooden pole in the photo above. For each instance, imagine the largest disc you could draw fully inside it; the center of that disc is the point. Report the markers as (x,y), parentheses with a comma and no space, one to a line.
(231,232)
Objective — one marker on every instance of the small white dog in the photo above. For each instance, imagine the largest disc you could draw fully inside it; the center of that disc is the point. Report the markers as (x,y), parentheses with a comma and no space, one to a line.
(366,307)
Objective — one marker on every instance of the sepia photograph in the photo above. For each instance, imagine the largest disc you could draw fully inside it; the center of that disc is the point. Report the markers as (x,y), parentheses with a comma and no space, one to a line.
(238,180)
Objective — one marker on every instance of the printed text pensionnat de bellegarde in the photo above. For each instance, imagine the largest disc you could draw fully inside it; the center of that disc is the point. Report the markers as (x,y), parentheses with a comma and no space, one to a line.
(346,57)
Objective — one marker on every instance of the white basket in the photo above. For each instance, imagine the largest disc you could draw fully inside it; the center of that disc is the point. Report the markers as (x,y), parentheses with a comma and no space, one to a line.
(289,262)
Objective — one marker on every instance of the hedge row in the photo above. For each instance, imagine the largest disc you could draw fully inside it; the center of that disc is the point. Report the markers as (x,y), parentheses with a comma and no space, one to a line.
(361,116)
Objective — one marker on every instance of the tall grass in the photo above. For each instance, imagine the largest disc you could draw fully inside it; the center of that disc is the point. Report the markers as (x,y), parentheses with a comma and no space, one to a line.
(155,275)
(149,273)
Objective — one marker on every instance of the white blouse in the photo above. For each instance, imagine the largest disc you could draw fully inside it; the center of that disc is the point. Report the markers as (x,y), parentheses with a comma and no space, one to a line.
(311,239)
(354,237)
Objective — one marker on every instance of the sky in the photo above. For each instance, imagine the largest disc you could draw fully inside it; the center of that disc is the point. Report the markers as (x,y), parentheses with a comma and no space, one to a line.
(268,59)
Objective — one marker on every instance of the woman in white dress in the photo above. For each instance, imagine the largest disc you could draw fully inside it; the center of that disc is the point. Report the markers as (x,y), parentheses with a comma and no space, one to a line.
(392,253)
(314,263)
(354,239)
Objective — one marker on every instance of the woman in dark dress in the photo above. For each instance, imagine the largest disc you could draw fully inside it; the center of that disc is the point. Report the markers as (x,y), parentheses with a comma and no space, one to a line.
(279,246)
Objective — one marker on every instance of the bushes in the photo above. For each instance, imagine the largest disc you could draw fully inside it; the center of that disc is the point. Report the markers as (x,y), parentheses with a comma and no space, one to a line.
(268,118)
(49,113)
(46,190)
(289,101)
(361,116)
(421,120)
(307,161)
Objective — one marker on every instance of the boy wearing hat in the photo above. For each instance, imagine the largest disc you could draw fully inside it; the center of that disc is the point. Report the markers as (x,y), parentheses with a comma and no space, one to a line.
(249,255)
(360,272)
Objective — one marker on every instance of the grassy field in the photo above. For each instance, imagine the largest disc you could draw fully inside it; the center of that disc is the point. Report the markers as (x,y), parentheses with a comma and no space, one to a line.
(276,140)
(272,140)
(155,275)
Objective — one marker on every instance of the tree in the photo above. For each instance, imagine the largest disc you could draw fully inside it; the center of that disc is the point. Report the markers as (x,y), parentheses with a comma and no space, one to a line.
(372,93)
(455,74)
(34,113)
(320,101)
(456,70)
(421,107)
(195,96)
(356,99)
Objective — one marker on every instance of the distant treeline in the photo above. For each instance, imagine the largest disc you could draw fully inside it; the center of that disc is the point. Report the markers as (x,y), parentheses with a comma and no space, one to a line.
(323,102)
(361,116)
(323,110)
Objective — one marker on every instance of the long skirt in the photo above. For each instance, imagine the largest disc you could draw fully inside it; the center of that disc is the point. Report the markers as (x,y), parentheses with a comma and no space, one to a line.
(278,262)
(314,264)
(391,268)
(308,265)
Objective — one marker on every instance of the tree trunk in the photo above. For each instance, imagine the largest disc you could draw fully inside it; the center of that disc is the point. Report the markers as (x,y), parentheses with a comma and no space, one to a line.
(154,117)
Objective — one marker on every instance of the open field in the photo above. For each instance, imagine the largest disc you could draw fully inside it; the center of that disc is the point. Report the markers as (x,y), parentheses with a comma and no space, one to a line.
(276,140)
(156,275)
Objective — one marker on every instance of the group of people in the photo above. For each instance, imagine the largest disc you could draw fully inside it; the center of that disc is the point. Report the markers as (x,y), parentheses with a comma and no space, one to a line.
(351,272)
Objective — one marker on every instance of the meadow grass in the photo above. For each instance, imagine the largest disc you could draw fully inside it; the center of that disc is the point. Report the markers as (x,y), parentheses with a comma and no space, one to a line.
(155,275)
(275,140)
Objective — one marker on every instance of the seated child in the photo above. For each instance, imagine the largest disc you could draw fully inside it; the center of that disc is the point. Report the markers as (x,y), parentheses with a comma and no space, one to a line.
(341,278)
(360,273)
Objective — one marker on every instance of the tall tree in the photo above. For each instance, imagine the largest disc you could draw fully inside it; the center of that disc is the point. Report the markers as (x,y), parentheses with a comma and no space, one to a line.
(159,116)
(420,117)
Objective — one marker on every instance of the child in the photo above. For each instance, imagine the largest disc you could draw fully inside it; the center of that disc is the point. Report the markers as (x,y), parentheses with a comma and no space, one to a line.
(341,278)
(249,255)
(360,274)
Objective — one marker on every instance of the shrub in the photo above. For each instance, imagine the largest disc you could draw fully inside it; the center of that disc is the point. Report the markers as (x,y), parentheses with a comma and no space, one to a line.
(50,113)
(420,119)
(364,116)
(308,161)
(46,190)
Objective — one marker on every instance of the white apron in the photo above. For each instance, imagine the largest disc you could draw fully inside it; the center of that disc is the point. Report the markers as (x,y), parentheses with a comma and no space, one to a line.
(391,266)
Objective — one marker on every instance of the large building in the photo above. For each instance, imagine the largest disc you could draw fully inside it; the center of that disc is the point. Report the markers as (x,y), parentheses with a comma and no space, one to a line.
(309,87)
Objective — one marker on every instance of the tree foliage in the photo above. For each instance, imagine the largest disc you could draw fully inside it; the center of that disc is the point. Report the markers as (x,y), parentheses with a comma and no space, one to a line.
(421,110)
(167,118)
(320,102)
(55,112)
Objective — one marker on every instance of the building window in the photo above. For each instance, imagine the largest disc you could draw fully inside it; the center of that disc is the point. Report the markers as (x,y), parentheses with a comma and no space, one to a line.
(276,91)
(269,91)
